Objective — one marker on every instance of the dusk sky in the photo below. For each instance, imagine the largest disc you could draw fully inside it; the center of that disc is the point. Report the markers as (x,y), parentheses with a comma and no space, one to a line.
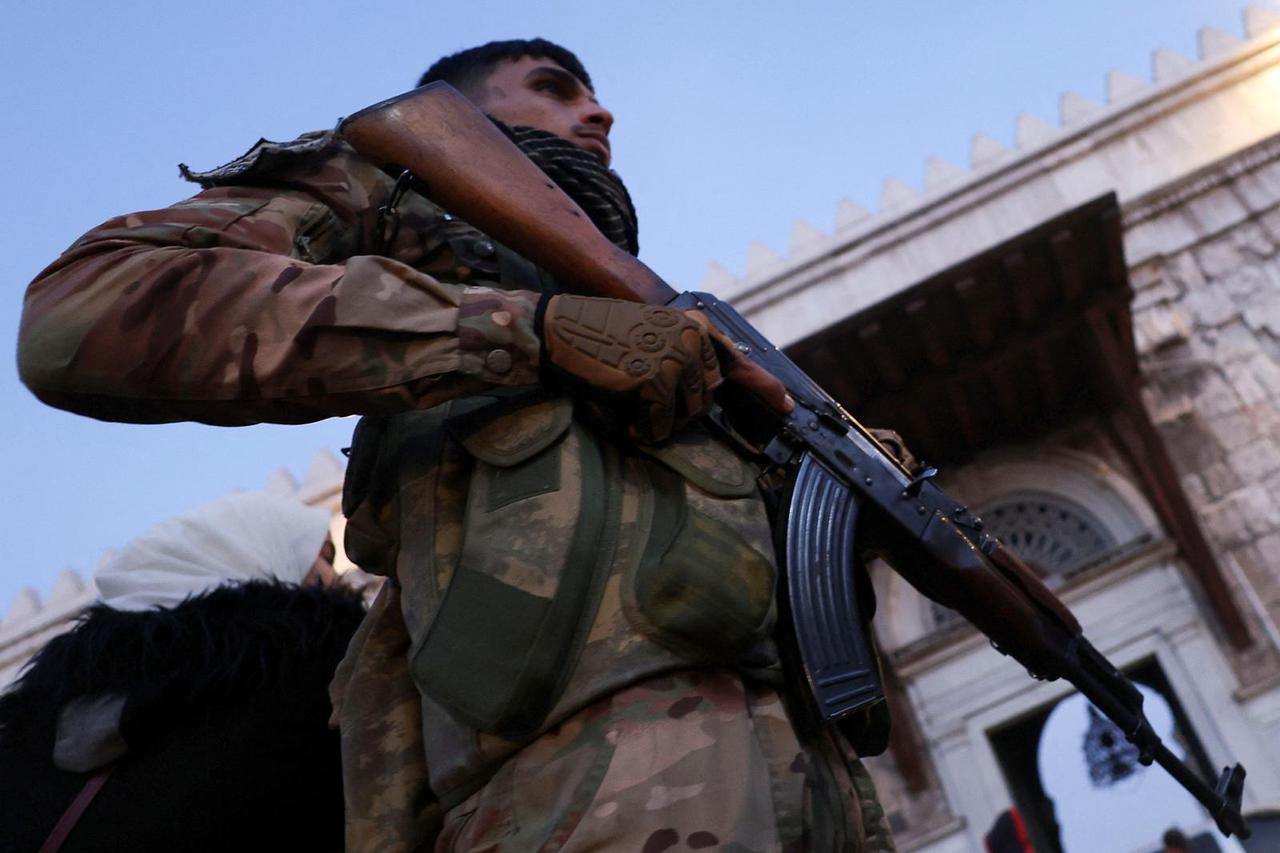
(734,120)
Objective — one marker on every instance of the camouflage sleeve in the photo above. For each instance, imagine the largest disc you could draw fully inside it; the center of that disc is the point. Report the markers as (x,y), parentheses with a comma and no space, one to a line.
(246,304)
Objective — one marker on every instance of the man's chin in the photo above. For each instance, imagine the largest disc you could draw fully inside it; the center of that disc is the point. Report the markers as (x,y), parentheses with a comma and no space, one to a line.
(601,151)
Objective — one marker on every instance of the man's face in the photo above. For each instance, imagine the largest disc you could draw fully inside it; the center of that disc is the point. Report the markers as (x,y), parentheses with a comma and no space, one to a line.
(537,92)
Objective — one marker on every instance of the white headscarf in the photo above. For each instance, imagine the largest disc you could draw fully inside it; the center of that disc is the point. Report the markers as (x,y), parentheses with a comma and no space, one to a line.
(239,537)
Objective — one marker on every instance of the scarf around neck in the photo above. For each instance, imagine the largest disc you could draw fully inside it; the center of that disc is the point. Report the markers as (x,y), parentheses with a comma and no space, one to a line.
(595,187)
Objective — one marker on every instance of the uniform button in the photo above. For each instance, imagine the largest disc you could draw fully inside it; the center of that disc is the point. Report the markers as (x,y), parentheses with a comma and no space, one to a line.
(483,248)
(448,217)
(498,360)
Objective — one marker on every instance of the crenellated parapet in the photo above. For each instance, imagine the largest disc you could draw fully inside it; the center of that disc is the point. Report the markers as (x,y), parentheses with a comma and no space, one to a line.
(31,619)
(1186,115)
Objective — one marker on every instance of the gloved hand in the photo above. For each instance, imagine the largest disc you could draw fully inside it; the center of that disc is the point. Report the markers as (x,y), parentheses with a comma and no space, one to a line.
(665,361)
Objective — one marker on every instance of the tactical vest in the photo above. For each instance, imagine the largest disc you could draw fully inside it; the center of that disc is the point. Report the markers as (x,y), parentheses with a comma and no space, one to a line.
(544,565)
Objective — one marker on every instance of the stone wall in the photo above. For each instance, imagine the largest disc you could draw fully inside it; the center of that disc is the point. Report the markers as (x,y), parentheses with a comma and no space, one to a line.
(1204,258)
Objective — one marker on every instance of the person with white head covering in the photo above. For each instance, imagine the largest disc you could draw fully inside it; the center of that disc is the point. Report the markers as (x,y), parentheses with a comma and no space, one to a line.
(238,537)
(188,708)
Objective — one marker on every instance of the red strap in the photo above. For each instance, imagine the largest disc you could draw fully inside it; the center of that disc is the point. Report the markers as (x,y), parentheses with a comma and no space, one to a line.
(76,810)
(1021,829)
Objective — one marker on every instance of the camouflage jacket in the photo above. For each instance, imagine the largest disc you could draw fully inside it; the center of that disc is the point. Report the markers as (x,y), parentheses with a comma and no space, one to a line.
(540,565)
(276,295)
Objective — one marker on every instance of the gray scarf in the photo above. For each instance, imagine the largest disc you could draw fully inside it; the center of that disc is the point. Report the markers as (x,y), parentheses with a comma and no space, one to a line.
(596,188)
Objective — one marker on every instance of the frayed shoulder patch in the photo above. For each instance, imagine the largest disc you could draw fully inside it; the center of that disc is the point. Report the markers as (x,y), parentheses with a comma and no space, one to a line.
(261,160)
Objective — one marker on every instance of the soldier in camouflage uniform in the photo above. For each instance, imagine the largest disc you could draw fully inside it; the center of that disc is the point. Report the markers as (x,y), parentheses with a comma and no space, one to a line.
(575,647)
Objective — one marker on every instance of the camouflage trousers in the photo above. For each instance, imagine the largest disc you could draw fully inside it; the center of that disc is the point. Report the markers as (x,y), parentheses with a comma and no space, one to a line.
(696,760)
(378,713)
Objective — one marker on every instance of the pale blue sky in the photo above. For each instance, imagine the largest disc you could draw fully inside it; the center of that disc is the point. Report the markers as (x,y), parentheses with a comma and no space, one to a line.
(734,120)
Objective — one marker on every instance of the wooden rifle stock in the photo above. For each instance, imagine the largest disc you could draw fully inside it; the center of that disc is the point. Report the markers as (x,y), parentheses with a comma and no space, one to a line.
(475,172)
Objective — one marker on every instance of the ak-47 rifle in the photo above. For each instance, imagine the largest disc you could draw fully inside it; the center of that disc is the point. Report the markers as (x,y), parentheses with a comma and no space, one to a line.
(837,468)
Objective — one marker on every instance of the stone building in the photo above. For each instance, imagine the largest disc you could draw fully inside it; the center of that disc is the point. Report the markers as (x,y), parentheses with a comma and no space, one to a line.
(1084,333)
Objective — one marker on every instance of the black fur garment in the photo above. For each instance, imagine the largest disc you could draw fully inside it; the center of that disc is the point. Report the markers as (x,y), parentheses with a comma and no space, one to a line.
(225,720)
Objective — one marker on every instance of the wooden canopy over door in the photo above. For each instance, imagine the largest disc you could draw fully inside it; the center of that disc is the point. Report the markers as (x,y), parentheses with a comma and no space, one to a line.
(1003,347)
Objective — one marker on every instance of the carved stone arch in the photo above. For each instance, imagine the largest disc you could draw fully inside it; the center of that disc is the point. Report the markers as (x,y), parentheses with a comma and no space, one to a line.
(1079,477)
(1053,534)
(1049,492)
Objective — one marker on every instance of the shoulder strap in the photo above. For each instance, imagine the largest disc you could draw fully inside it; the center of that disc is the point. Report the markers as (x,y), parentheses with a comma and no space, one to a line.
(75,811)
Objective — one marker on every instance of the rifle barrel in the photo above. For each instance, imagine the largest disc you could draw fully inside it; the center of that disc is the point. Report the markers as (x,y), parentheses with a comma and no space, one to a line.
(1109,691)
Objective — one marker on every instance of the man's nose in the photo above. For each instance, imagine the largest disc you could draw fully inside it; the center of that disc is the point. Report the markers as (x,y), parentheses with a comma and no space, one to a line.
(597,115)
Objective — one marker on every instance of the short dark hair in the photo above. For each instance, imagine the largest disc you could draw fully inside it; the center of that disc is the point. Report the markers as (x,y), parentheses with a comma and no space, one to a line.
(468,69)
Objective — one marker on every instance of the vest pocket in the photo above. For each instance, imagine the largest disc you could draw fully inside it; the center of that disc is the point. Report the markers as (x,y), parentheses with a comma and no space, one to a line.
(701,588)
(510,625)
(707,463)
(538,476)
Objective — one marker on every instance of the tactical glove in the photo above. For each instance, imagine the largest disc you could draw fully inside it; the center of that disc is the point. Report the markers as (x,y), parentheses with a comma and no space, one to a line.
(661,362)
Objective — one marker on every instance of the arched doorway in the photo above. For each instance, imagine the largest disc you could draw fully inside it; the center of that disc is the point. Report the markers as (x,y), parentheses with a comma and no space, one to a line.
(1080,788)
